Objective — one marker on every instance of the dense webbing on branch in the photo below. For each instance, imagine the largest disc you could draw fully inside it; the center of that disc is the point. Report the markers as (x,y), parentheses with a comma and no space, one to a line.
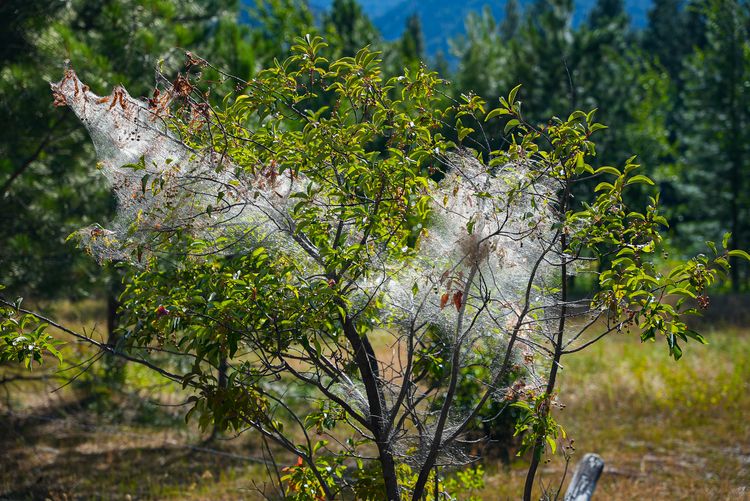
(483,264)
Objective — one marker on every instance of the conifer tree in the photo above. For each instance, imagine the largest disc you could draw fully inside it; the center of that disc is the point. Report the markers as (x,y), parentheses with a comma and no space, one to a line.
(666,34)
(606,12)
(46,190)
(715,132)
(412,41)
(348,27)
(511,20)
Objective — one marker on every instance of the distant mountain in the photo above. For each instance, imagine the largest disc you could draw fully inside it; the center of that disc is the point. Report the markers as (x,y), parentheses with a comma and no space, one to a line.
(373,8)
(441,19)
(444,19)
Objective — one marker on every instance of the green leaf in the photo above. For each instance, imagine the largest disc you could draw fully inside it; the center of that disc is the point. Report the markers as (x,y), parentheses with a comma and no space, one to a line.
(674,347)
(680,291)
(694,335)
(463,132)
(607,170)
(513,93)
(552,444)
(640,178)
(725,240)
(513,122)
(495,113)
(139,165)
(739,253)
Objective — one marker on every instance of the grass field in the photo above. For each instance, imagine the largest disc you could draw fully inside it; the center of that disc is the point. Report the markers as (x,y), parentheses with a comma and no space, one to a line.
(666,430)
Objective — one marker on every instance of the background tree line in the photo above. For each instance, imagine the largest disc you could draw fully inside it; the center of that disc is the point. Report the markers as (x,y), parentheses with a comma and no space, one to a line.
(677,92)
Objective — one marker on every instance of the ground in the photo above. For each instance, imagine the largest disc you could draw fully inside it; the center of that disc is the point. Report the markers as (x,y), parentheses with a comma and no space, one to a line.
(666,430)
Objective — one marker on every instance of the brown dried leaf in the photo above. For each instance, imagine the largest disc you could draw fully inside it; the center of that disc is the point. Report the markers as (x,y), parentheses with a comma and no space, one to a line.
(457,299)
(444,300)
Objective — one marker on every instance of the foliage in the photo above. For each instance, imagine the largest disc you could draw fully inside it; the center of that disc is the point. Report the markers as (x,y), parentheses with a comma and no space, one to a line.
(279,237)
(317,213)
(412,41)
(24,338)
(712,169)
(47,189)
(275,24)
(348,28)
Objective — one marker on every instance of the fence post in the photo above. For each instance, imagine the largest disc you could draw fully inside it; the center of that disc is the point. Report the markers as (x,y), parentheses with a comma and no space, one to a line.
(588,471)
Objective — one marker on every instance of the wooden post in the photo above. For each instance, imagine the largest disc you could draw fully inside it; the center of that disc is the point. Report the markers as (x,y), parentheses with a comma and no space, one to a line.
(588,471)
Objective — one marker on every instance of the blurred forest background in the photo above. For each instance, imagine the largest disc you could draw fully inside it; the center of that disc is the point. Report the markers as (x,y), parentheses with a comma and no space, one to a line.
(671,78)
(674,89)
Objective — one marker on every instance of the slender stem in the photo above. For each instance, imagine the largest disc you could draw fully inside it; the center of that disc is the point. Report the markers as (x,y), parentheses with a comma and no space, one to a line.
(450,394)
(545,409)
(102,346)
(505,367)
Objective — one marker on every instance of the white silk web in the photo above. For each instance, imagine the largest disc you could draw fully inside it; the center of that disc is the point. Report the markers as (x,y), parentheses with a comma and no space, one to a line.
(486,261)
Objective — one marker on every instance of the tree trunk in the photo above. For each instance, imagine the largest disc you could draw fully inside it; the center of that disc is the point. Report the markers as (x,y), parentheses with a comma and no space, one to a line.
(112,305)
(114,366)
(367,364)
(221,383)
(390,479)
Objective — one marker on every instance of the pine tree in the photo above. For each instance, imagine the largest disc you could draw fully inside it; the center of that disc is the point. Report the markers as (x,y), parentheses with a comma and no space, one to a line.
(484,58)
(612,74)
(511,20)
(46,189)
(546,45)
(695,31)
(348,28)
(606,12)
(275,24)
(666,34)
(412,41)
(715,132)
(441,65)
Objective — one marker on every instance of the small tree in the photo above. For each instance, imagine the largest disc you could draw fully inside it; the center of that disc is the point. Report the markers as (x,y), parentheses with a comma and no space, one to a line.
(321,253)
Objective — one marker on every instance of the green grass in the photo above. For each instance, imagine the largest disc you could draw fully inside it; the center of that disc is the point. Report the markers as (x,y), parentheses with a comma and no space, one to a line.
(665,429)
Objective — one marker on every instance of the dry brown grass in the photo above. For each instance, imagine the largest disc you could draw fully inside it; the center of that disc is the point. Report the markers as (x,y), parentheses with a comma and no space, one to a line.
(666,430)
